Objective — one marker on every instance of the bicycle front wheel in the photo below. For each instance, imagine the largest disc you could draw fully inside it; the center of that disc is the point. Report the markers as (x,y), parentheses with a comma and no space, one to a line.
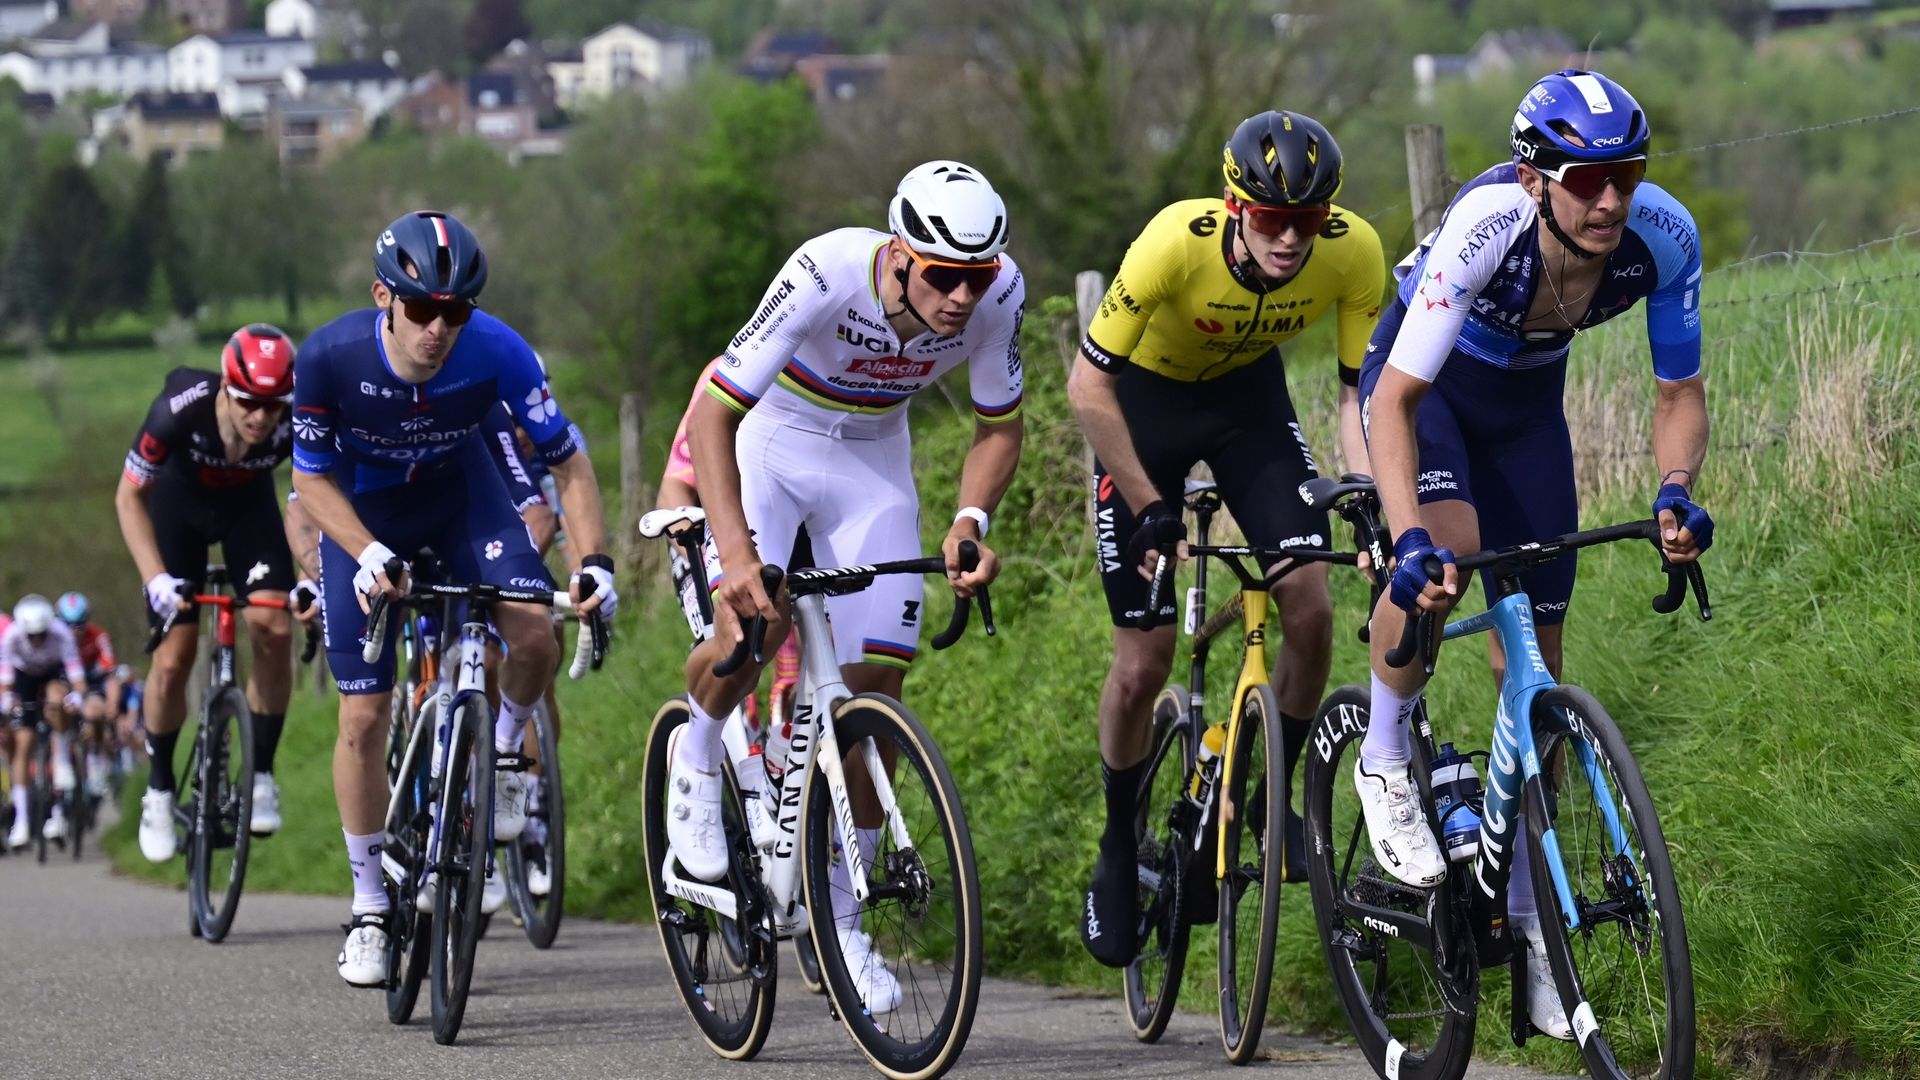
(460,866)
(903,967)
(1252,806)
(220,834)
(1412,1015)
(1624,973)
(731,1003)
(542,847)
(1163,826)
(409,830)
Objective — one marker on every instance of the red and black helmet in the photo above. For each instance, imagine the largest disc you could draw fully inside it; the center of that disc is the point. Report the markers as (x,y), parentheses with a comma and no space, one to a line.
(258,363)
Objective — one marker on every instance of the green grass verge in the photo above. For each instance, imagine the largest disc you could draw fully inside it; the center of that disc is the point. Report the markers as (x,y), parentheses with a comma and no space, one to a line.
(1775,739)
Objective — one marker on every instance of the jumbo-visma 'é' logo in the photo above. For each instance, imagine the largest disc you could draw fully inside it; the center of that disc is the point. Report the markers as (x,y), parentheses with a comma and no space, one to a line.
(1208,326)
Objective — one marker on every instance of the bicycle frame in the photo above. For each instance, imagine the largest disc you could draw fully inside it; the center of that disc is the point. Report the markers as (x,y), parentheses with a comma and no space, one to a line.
(447,693)
(1512,759)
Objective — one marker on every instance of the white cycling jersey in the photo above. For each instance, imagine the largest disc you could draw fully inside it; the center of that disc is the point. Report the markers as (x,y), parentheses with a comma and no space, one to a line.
(822,378)
(820,354)
(20,656)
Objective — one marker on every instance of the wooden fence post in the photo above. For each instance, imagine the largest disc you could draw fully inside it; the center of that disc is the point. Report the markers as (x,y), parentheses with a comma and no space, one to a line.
(633,488)
(1088,288)
(1427,179)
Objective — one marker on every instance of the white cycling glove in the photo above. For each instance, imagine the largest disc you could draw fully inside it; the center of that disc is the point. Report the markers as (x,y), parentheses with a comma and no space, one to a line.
(373,563)
(163,593)
(598,569)
(74,702)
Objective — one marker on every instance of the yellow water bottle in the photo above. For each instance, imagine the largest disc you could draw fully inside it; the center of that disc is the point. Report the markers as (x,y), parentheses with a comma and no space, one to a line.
(1207,769)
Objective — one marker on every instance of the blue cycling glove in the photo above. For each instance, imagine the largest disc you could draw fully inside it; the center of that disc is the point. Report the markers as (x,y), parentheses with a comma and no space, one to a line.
(1410,551)
(1688,513)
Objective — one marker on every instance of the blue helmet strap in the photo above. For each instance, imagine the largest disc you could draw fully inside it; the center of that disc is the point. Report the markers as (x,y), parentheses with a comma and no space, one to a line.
(1553,225)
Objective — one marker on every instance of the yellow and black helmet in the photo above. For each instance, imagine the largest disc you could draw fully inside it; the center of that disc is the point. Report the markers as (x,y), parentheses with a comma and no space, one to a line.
(1281,158)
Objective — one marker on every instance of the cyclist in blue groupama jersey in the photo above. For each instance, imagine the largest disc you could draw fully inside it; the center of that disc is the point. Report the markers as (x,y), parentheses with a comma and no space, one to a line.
(386,403)
(1462,402)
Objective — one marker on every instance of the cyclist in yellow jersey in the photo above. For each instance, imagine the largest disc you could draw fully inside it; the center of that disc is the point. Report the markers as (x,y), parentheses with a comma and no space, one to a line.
(1182,364)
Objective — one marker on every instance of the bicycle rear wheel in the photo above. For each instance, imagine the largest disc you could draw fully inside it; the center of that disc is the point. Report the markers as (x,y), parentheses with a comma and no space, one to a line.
(540,915)
(1413,1015)
(1164,822)
(922,908)
(409,829)
(466,825)
(731,1003)
(1625,974)
(220,835)
(1252,803)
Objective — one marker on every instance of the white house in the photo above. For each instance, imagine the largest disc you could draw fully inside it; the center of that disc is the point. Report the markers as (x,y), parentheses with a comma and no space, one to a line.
(68,38)
(331,21)
(293,18)
(248,97)
(371,83)
(22,19)
(202,62)
(120,72)
(627,57)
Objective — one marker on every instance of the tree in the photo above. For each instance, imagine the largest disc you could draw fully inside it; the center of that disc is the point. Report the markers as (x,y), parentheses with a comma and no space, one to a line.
(25,304)
(491,26)
(72,226)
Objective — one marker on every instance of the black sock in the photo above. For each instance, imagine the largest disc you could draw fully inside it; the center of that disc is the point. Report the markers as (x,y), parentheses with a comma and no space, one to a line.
(1293,736)
(160,758)
(1123,798)
(266,739)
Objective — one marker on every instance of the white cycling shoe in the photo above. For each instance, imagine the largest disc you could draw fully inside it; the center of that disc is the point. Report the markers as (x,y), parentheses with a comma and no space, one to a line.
(694,830)
(158,841)
(1396,826)
(539,881)
(18,836)
(509,804)
(56,826)
(62,773)
(871,979)
(1544,1007)
(760,823)
(363,958)
(266,805)
(493,895)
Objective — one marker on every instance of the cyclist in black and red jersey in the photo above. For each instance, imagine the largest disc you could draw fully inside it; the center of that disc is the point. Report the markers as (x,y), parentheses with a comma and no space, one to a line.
(201,472)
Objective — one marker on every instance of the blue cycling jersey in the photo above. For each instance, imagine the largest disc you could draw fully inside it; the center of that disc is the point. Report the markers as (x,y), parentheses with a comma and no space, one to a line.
(1468,286)
(354,416)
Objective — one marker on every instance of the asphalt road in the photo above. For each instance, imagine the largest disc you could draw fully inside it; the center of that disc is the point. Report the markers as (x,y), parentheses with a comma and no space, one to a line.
(102,981)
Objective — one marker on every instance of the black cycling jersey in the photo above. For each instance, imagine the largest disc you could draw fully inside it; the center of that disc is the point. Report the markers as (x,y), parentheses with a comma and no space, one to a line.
(181,440)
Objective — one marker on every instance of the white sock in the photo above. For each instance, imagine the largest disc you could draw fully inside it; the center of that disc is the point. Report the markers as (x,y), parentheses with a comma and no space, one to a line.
(1388,741)
(536,825)
(20,807)
(369,887)
(846,909)
(62,746)
(509,724)
(700,746)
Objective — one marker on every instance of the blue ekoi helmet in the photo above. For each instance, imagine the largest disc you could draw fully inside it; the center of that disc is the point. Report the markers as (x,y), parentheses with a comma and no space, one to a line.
(1596,111)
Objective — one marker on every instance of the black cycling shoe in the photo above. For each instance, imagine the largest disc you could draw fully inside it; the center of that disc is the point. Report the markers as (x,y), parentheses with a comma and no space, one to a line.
(1110,913)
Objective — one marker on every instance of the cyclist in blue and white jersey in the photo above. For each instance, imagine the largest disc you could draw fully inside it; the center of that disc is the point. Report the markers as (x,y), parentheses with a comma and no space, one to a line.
(804,424)
(1462,403)
(386,403)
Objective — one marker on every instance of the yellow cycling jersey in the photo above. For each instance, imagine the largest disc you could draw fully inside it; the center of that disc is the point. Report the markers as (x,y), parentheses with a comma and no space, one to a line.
(1183,307)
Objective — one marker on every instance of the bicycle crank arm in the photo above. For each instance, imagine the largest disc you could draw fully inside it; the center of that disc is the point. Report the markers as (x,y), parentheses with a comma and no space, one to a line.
(716,898)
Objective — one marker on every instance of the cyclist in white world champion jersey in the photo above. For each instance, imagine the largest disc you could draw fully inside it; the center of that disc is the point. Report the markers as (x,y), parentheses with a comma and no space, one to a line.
(804,423)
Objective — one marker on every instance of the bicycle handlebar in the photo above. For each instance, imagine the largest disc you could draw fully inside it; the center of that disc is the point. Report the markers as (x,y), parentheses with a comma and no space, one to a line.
(1419,636)
(754,641)
(590,648)
(307,648)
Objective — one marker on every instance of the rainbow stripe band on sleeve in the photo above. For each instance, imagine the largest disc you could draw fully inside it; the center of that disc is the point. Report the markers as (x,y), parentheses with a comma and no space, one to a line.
(891,654)
(997,414)
(729,393)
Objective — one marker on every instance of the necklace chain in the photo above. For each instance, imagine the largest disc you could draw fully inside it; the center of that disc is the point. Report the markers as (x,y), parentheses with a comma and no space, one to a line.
(1560,305)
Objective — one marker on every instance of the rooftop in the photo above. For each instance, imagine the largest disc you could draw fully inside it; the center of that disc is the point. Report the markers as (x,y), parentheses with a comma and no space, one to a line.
(350,71)
(175,106)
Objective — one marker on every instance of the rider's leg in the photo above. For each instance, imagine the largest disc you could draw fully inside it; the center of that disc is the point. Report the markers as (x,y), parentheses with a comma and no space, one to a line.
(164,707)
(1453,524)
(22,743)
(527,672)
(270,679)
(62,724)
(360,789)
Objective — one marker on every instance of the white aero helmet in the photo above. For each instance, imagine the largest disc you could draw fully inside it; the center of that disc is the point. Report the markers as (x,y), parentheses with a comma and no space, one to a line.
(949,211)
(33,614)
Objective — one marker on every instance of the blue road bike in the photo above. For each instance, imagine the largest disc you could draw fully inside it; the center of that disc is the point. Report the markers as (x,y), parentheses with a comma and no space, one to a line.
(1406,962)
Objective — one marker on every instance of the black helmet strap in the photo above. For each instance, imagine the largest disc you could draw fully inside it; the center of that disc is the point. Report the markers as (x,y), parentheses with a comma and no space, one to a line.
(1553,225)
(906,305)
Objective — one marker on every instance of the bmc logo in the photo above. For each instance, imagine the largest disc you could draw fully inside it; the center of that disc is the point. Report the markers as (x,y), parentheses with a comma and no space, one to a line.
(890,367)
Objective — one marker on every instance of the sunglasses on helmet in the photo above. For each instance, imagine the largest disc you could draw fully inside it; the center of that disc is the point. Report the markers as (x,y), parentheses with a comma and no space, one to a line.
(1587,179)
(945,276)
(1274,221)
(420,311)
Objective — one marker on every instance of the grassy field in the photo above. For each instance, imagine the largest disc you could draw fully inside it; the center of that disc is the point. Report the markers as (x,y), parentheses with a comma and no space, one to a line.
(1776,739)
